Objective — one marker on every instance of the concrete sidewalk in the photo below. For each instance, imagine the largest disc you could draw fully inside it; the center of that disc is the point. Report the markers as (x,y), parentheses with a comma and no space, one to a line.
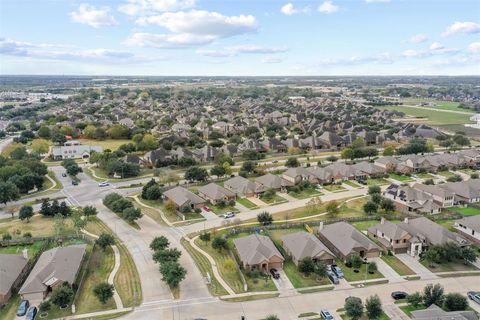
(387,271)
(416,266)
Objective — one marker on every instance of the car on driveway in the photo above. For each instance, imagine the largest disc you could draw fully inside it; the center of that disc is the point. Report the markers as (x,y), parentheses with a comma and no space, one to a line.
(22,308)
(326,315)
(397,295)
(338,272)
(207,209)
(333,277)
(31,313)
(64,174)
(103,184)
(74,183)
(229,215)
(474,296)
(274,273)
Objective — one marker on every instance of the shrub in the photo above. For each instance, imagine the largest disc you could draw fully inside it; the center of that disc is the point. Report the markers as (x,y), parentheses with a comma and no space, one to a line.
(455,302)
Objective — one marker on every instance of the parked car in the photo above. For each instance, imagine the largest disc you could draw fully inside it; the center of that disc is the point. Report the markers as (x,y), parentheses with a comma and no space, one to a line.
(22,308)
(474,296)
(74,182)
(338,272)
(333,277)
(103,184)
(207,209)
(64,174)
(397,295)
(275,273)
(31,313)
(229,215)
(275,161)
(325,314)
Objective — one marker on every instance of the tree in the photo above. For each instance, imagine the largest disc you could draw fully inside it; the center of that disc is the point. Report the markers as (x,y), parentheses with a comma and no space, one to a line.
(354,308)
(320,270)
(153,193)
(89,211)
(356,262)
(173,273)
(358,143)
(8,192)
(103,291)
(159,243)
(105,240)
(26,212)
(387,205)
(196,174)
(272,317)
(218,171)
(64,209)
(46,209)
(332,159)
(415,299)
(44,307)
(348,153)
(455,302)
(166,255)
(372,267)
(370,207)
(468,254)
(332,208)
(431,256)
(306,266)
(219,243)
(388,151)
(205,236)
(62,296)
(264,218)
(373,305)
(78,222)
(131,214)
(374,189)
(248,166)
(170,206)
(433,294)
(292,162)
(39,146)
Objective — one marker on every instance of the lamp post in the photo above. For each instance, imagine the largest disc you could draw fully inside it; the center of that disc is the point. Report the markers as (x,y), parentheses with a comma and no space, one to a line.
(366,269)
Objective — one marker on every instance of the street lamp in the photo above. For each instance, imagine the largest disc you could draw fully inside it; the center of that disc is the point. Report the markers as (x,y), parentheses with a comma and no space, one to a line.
(366,269)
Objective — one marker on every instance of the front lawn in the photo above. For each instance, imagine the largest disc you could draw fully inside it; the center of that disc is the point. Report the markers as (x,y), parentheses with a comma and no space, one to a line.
(299,280)
(352,184)
(399,177)
(425,176)
(467,211)
(247,203)
(397,265)
(334,187)
(449,266)
(305,193)
(105,144)
(377,182)
(446,173)
(362,275)
(222,209)
(275,199)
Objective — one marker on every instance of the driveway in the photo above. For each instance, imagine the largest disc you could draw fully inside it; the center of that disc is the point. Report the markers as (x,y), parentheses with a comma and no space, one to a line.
(387,271)
(416,266)
(208,214)
(283,283)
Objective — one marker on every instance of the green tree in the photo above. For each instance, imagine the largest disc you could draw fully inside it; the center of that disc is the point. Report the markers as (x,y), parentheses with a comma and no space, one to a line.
(348,153)
(103,291)
(455,302)
(89,211)
(374,189)
(172,273)
(8,192)
(219,243)
(388,205)
(62,296)
(433,294)
(205,236)
(354,308)
(356,262)
(332,208)
(373,306)
(306,266)
(264,218)
(196,174)
(415,299)
(292,162)
(26,212)
(166,255)
(218,171)
(131,214)
(468,254)
(388,151)
(105,240)
(370,207)
(39,146)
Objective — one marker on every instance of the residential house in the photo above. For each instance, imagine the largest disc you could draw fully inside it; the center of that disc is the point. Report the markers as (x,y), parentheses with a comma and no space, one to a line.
(434,312)
(392,237)
(53,268)
(469,227)
(76,151)
(184,198)
(273,182)
(258,252)
(12,270)
(345,241)
(300,245)
(243,187)
(215,193)
(408,199)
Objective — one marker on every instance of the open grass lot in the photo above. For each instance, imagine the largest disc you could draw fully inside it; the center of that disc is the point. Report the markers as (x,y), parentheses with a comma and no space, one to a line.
(299,280)
(399,177)
(38,226)
(353,208)
(432,117)
(105,144)
(441,105)
(467,211)
(351,275)
(446,173)
(275,199)
(450,266)
(247,203)
(306,193)
(334,187)
(397,265)
(377,182)
(32,249)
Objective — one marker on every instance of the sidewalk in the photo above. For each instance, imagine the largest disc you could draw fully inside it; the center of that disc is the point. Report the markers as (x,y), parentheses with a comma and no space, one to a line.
(416,266)
(387,271)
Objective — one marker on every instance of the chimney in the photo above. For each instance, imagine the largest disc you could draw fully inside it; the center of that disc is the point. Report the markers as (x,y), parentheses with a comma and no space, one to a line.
(25,253)
(320,226)
(405,220)
(382,221)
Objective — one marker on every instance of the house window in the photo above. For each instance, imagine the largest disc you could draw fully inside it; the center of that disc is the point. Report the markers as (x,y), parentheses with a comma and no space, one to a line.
(396,241)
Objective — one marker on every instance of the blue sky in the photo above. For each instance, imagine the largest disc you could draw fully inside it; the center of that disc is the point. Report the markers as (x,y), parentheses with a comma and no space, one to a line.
(240,37)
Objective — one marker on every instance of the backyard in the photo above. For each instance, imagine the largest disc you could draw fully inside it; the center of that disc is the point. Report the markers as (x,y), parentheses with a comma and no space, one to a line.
(467,211)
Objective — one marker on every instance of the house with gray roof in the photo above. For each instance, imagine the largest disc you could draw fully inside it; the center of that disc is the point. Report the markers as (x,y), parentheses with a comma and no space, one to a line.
(215,193)
(273,182)
(77,151)
(434,312)
(469,227)
(258,252)
(392,237)
(12,269)
(184,198)
(243,187)
(345,241)
(300,245)
(53,268)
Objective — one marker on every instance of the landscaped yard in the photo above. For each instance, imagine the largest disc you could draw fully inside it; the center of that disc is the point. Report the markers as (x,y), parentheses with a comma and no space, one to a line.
(397,265)
(221,210)
(400,177)
(450,266)
(334,187)
(247,203)
(299,280)
(275,199)
(352,184)
(467,211)
(351,275)
(424,176)
(377,182)
(305,193)
(446,173)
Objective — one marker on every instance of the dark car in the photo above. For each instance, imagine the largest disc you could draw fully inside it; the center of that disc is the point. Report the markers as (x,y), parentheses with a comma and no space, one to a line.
(31,313)
(397,295)
(474,296)
(22,308)
(275,273)
(74,182)
(64,174)
(338,272)
(326,315)
(333,277)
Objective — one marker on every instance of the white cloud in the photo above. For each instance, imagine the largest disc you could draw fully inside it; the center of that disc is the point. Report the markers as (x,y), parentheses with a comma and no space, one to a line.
(92,16)
(289,9)
(377,1)
(418,38)
(272,60)
(436,46)
(383,58)
(474,47)
(467,27)
(242,49)
(147,7)
(328,7)
(167,41)
(410,53)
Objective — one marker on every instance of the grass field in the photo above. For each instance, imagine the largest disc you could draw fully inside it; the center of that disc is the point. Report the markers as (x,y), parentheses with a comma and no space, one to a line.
(399,177)
(105,144)
(38,226)
(247,203)
(31,249)
(432,117)
(450,266)
(467,211)
(276,199)
(441,105)
(424,176)
(353,208)
(397,265)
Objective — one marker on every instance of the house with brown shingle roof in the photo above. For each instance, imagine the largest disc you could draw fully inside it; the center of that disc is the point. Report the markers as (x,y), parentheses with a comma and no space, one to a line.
(258,252)
(300,245)
(12,268)
(215,193)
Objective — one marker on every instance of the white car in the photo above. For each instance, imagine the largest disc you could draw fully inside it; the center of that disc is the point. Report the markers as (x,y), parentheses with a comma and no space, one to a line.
(229,215)
(103,184)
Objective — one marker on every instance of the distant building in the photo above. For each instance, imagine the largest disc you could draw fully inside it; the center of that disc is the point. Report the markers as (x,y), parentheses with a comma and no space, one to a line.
(74,150)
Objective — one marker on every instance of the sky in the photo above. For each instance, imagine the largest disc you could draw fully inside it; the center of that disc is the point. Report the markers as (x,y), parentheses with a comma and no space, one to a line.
(240,37)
